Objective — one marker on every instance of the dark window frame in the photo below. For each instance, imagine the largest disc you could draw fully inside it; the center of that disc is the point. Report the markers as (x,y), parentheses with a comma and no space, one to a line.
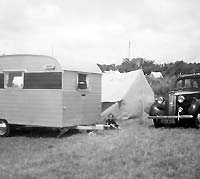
(1,80)
(9,82)
(82,81)
(43,80)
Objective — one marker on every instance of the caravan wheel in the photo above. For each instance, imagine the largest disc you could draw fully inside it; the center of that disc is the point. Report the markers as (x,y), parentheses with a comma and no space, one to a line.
(4,128)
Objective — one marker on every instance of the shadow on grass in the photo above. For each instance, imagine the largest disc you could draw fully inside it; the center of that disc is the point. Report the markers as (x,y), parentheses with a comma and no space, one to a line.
(172,126)
(41,132)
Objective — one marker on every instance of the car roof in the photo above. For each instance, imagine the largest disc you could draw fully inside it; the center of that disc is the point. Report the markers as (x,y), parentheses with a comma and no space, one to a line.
(196,75)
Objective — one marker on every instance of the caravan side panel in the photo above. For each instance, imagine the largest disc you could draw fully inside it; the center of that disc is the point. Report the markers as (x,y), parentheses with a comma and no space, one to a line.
(32,107)
(81,107)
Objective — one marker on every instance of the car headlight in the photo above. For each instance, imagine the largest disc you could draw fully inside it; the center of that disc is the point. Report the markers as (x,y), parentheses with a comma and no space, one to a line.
(160,100)
(181,98)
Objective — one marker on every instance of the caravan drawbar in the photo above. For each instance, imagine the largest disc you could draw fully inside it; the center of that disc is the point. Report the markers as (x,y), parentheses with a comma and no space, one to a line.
(37,90)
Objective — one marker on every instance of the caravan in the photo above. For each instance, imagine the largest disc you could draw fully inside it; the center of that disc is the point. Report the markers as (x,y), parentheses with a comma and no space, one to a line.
(38,90)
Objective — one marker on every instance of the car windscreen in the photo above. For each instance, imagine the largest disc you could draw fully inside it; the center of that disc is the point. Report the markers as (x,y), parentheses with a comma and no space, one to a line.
(187,83)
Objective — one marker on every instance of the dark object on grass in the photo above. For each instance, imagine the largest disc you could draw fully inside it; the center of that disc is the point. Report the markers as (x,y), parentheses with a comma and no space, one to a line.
(111,122)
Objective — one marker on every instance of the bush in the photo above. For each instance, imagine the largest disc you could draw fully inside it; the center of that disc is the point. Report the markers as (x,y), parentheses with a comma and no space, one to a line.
(161,86)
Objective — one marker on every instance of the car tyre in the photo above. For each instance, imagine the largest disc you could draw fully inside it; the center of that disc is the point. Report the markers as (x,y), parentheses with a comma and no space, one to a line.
(4,128)
(197,123)
(157,123)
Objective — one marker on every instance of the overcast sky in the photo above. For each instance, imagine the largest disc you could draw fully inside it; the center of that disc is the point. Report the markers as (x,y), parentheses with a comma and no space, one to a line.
(100,30)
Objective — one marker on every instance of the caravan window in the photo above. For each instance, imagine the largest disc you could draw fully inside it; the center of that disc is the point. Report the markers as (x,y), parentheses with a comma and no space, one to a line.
(14,80)
(44,80)
(82,81)
(1,80)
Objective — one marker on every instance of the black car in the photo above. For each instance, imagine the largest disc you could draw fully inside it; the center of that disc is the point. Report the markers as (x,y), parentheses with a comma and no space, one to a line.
(181,106)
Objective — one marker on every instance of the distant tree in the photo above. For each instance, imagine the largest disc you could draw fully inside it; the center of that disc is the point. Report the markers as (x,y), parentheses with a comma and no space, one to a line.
(167,69)
(130,65)
(148,66)
(138,61)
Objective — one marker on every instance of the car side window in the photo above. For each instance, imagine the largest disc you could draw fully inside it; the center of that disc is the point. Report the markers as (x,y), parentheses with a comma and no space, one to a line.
(187,83)
(194,84)
(179,84)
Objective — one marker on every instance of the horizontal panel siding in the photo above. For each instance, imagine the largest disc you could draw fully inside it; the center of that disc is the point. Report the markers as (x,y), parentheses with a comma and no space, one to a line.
(95,82)
(32,107)
(70,81)
(81,110)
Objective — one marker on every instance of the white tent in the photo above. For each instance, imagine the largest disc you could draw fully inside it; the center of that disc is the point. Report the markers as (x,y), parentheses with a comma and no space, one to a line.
(126,95)
(156,75)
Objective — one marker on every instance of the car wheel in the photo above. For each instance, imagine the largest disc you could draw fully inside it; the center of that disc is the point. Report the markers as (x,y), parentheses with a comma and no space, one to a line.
(197,122)
(177,122)
(157,123)
(4,128)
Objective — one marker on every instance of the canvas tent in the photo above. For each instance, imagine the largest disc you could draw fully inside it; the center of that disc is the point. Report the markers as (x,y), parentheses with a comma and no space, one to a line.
(126,95)
(156,75)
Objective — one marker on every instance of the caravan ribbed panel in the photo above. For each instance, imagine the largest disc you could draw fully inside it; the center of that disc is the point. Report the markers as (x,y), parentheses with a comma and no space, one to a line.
(32,107)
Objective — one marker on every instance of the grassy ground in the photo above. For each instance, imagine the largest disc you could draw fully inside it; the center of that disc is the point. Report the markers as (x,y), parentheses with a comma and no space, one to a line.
(136,151)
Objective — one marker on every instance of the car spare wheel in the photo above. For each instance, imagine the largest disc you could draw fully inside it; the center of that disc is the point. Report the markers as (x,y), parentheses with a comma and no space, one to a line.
(4,128)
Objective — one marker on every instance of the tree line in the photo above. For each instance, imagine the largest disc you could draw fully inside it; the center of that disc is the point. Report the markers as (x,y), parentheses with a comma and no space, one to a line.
(167,69)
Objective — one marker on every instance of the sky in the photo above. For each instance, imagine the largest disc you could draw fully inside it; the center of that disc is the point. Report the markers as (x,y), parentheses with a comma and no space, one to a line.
(100,30)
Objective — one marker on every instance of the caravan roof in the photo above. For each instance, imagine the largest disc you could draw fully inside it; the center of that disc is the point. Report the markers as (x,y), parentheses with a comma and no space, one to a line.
(38,63)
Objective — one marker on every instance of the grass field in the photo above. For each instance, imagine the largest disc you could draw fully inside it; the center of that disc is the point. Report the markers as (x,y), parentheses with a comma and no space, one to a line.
(135,151)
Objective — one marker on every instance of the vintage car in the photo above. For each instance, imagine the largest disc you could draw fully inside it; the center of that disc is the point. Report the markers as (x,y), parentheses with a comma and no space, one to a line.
(181,106)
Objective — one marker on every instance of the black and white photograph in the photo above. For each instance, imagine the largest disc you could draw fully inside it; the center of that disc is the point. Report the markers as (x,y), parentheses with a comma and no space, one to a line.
(99,89)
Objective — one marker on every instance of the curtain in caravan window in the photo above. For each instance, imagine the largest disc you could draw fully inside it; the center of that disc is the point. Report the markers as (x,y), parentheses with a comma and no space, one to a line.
(1,80)
(82,81)
(14,79)
(46,80)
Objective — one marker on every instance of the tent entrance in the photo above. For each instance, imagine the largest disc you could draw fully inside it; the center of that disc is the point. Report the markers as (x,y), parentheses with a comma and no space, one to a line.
(106,105)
